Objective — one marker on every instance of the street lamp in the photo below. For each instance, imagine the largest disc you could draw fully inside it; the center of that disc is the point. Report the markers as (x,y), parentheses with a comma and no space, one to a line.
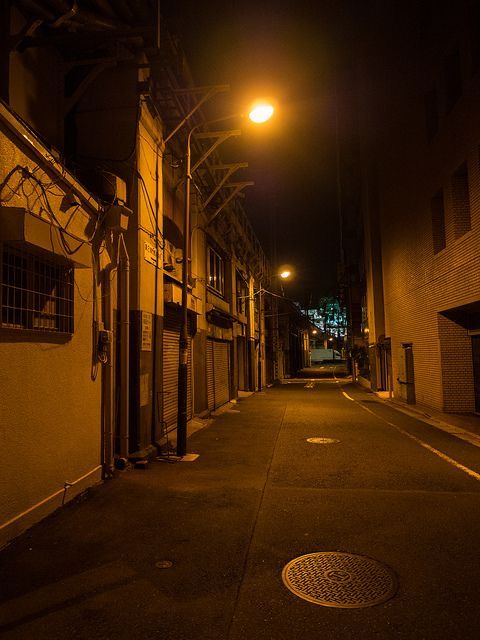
(259,113)
(284,273)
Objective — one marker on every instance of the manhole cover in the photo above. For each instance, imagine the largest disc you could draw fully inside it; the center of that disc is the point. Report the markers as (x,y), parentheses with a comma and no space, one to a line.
(339,580)
(322,440)
(164,564)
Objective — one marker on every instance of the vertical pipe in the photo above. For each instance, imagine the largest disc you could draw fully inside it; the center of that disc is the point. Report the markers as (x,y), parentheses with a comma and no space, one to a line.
(261,338)
(108,373)
(124,269)
(183,341)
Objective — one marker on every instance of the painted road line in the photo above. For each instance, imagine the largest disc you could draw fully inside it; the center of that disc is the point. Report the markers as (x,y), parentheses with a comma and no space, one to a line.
(440,424)
(440,454)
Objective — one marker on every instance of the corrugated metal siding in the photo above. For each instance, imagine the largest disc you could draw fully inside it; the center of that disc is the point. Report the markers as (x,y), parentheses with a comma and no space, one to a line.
(218,373)
(210,376)
(171,335)
(222,372)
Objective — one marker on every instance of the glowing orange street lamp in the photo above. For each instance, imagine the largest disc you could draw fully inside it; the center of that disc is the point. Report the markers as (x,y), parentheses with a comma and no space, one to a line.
(259,113)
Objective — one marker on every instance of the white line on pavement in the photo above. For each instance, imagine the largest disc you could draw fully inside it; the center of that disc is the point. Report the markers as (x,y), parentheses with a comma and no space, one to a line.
(443,456)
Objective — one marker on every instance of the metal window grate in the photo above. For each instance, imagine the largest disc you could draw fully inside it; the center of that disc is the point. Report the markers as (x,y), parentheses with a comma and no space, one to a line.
(36,293)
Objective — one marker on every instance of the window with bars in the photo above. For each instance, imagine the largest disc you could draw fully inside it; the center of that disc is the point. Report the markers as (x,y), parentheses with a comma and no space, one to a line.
(36,293)
(216,271)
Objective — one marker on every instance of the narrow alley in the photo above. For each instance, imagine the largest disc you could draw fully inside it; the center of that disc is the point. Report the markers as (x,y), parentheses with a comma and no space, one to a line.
(196,550)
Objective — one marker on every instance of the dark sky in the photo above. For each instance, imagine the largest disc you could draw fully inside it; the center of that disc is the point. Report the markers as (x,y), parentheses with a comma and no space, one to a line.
(286,50)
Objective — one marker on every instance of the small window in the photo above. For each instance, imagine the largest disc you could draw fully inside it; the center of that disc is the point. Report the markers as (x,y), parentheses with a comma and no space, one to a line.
(431,114)
(216,271)
(461,201)
(37,293)
(438,222)
(453,79)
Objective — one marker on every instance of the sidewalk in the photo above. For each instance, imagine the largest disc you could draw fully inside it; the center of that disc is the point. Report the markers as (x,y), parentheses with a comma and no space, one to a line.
(464,426)
(154,553)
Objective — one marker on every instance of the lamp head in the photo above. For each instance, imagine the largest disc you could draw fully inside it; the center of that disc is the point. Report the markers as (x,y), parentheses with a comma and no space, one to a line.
(260,112)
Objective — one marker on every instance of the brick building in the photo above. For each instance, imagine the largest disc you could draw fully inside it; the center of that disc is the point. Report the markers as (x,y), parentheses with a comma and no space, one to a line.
(419,114)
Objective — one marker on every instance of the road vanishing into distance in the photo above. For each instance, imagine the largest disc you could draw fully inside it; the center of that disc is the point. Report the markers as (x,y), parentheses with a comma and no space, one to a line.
(378,518)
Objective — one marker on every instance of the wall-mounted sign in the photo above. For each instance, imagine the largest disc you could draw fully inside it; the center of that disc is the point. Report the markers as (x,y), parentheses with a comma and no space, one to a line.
(146,331)
(150,253)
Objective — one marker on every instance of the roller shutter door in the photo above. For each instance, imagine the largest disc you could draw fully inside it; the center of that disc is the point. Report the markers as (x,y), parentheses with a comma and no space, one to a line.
(210,376)
(171,336)
(218,373)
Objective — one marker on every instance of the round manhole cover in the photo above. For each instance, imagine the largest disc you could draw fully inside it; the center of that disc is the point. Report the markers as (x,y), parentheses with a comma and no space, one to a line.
(339,580)
(164,564)
(322,440)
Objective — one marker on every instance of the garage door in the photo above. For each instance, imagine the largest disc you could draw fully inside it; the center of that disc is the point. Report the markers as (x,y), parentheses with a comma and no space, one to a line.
(171,336)
(218,373)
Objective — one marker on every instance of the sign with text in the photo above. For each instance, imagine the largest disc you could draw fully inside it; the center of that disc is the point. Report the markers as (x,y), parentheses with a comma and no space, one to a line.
(150,253)
(147,331)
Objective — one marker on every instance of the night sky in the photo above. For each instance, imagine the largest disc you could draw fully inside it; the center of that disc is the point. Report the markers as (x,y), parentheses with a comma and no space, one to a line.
(287,50)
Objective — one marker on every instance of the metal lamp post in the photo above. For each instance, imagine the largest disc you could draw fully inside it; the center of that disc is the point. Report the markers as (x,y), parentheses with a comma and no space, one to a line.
(183,342)
(260,113)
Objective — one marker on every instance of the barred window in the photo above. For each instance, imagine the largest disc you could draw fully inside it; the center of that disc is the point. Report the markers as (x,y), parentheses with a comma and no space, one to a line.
(36,293)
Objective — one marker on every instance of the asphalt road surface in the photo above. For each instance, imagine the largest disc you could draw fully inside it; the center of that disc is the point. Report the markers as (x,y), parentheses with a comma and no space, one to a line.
(389,488)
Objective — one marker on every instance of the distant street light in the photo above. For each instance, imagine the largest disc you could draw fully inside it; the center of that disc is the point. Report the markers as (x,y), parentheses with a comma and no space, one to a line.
(260,113)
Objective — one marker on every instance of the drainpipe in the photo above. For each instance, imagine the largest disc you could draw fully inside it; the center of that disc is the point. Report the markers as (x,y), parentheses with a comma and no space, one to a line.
(108,372)
(124,273)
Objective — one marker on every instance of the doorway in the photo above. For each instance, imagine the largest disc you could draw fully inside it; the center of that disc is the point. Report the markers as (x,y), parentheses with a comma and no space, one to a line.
(406,379)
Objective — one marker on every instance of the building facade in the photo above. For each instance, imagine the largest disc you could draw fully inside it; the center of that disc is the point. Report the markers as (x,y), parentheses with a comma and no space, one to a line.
(92,228)
(419,117)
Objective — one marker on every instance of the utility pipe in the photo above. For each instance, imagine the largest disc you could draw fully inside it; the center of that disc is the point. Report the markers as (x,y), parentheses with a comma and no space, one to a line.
(124,271)
(108,372)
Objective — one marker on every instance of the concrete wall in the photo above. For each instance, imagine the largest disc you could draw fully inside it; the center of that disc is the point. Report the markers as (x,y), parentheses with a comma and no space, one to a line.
(50,422)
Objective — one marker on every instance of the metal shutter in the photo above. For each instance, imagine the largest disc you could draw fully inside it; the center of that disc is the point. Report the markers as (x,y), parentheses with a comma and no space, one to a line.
(171,336)
(218,373)
(221,358)
(210,377)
